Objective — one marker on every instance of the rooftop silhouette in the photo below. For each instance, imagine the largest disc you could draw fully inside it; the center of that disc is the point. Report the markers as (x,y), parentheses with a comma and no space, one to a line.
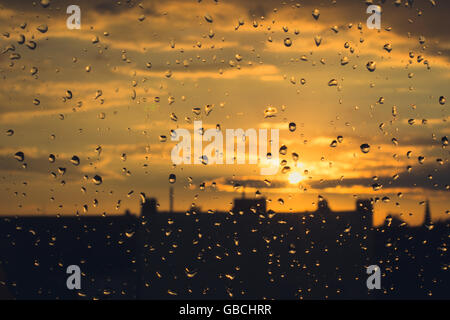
(247,253)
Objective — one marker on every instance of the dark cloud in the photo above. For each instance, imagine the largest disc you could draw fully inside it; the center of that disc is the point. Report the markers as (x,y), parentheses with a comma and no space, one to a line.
(417,178)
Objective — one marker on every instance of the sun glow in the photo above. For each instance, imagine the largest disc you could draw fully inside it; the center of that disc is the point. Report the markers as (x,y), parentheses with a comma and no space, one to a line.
(295,177)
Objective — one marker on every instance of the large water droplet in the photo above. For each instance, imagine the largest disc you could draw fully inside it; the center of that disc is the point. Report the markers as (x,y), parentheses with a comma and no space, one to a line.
(371,66)
(19,156)
(316,14)
(270,112)
(365,148)
(42,28)
(292,127)
(97,180)
(318,40)
(332,82)
(287,42)
(208,18)
(75,160)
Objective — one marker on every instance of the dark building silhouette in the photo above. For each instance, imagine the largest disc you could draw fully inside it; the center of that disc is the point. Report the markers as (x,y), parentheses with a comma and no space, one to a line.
(221,255)
(322,205)
(149,207)
(249,205)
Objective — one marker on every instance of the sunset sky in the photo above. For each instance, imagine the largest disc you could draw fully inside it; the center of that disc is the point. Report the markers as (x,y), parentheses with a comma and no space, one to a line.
(107,92)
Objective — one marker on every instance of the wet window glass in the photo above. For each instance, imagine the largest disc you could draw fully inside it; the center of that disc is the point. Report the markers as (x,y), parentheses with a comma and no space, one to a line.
(224,149)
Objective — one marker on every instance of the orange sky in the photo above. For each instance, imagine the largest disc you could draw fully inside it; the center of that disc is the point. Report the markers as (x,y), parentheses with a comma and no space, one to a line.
(239,65)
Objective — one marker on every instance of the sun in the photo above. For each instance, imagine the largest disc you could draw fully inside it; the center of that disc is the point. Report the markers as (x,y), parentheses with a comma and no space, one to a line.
(295,177)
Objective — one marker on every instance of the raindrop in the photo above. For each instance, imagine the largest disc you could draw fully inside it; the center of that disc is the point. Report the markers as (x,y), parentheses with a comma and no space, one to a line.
(97,180)
(287,42)
(270,112)
(318,40)
(208,18)
(316,14)
(172,178)
(292,127)
(9,132)
(43,28)
(332,82)
(19,156)
(365,148)
(376,186)
(45,3)
(371,66)
(387,47)
(442,100)
(31,45)
(51,158)
(75,160)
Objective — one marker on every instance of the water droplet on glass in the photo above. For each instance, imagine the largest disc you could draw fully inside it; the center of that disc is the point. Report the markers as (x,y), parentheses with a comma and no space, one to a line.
(75,160)
(365,148)
(43,28)
(371,66)
(270,112)
(19,156)
(344,60)
(292,127)
(332,82)
(97,180)
(208,18)
(387,47)
(316,14)
(318,40)
(442,100)
(287,42)
(45,3)
(172,178)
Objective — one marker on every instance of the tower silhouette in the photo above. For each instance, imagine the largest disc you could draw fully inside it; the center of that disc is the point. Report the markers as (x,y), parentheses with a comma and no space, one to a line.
(427,218)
